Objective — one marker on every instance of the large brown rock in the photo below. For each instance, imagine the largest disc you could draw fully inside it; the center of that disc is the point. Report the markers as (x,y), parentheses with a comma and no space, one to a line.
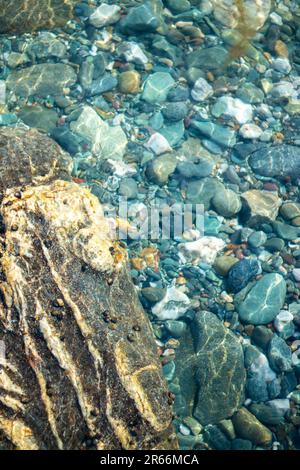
(79,362)
(21,16)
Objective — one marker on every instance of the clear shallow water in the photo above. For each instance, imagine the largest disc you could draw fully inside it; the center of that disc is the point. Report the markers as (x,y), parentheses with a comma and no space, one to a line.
(158,106)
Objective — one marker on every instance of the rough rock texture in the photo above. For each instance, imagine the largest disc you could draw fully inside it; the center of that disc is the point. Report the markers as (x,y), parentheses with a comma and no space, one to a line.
(21,16)
(217,365)
(79,367)
(282,160)
(28,157)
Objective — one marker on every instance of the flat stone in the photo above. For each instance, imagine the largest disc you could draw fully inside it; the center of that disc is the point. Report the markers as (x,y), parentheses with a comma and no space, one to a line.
(220,390)
(280,160)
(262,336)
(274,244)
(159,144)
(175,111)
(257,239)
(105,15)
(41,80)
(107,141)
(264,301)
(285,231)
(157,87)
(202,191)
(227,106)
(290,210)
(145,18)
(160,168)
(220,134)
(266,414)
(211,58)
(215,438)
(173,305)
(250,131)
(128,188)
(132,52)
(249,93)
(259,206)
(248,427)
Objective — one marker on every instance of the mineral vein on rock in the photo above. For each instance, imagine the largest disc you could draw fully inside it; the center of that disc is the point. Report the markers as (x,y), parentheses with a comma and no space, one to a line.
(80,366)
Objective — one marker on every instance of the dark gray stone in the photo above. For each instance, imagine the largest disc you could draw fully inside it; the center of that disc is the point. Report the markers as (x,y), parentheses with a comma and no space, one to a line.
(220,372)
(241,273)
(280,160)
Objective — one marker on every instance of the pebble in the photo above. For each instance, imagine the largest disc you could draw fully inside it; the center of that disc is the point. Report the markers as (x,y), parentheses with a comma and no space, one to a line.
(202,90)
(205,249)
(157,87)
(223,264)
(105,15)
(296,274)
(220,134)
(227,203)
(241,273)
(129,82)
(248,427)
(227,106)
(250,131)
(173,306)
(264,301)
(107,141)
(279,355)
(282,65)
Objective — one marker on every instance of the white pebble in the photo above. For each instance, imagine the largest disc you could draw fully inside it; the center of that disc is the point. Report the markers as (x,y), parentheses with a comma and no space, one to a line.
(202,90)
(250,131)
(105,15)
(282,319)
(205,249)
(296,274)
(158,144)
(233,107)
(173,305)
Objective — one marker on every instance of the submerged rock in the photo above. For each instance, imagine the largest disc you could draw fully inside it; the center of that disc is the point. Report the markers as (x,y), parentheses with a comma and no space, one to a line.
(30,15)
(107,141)
(247,426)
(80,361)
(205,249)
(173,306)
(41,80)
(220,372)
(282,160)
(264,301)
(241,273)
(259,206)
